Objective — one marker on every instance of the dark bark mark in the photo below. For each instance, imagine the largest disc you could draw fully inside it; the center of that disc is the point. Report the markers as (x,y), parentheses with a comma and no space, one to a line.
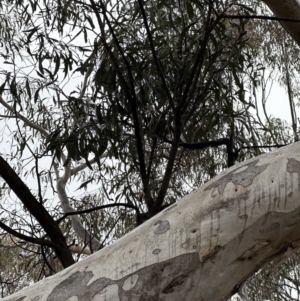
(243,178)
(163,226)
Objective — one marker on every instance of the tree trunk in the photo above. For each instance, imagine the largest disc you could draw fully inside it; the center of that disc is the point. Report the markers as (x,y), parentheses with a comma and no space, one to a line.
(201,248)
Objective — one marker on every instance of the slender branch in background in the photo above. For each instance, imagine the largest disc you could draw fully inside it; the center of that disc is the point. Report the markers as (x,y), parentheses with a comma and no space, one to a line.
(95,209)
(87,74)
(290,94)
(34,156)
(260,17)
(84,85)
(46,262)
(263,146)
(178,113)
(38,179)
(131,96)
(197,66)
(151,156)
(279,8)
(199,98)
(37,241)
(264,99)
(232,154)
(7,116)
(107,235)
(78,168)
(38,211)
(24,119)
(169,168)
(202,145)
(155,58)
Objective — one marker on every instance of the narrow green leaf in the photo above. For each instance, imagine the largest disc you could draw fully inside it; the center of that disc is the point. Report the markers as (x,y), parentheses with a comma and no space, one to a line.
(28,89)
(84,184)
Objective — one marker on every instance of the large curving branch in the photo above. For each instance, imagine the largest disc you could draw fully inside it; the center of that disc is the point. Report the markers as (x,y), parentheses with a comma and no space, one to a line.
(287,9)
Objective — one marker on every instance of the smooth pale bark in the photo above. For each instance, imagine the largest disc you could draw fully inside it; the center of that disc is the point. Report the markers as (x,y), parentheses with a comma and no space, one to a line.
(202,248)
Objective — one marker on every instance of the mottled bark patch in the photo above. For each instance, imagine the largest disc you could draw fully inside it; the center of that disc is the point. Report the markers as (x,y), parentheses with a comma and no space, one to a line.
(179,275)
(174,283)
(166,280)
(243,178)
(156,251)
(293,165)
(77,285)
(163,226)
(130,282)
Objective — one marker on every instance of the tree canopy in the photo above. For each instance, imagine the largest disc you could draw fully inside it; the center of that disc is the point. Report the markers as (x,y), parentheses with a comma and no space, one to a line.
(136,102)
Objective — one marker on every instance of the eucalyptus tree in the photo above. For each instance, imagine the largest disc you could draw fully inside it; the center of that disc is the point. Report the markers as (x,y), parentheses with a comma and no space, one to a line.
(147,100)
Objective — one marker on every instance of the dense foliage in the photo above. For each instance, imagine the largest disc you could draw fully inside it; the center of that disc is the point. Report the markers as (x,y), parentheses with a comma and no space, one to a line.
(154,98)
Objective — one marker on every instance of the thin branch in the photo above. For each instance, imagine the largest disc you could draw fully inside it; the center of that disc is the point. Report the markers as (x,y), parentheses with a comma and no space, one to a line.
(260,17)
(156,60)
(151,156)
(202,145)
(75,170)
(38,241)
(219,142)
(45,261)
(95,209)
(38,180)
(136,120)
(169,168)
(107,235)
(290,94)
(195,72)
(38,211)
(7,116)
(24,119)
(87,75)
(130,94)
(77,225)
(198,99)
(262,146)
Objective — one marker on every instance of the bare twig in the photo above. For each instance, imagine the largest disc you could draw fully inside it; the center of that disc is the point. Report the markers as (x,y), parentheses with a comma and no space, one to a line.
(24,119)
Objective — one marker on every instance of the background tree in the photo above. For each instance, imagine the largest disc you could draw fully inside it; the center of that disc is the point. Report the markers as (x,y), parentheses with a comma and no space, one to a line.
(130,97)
